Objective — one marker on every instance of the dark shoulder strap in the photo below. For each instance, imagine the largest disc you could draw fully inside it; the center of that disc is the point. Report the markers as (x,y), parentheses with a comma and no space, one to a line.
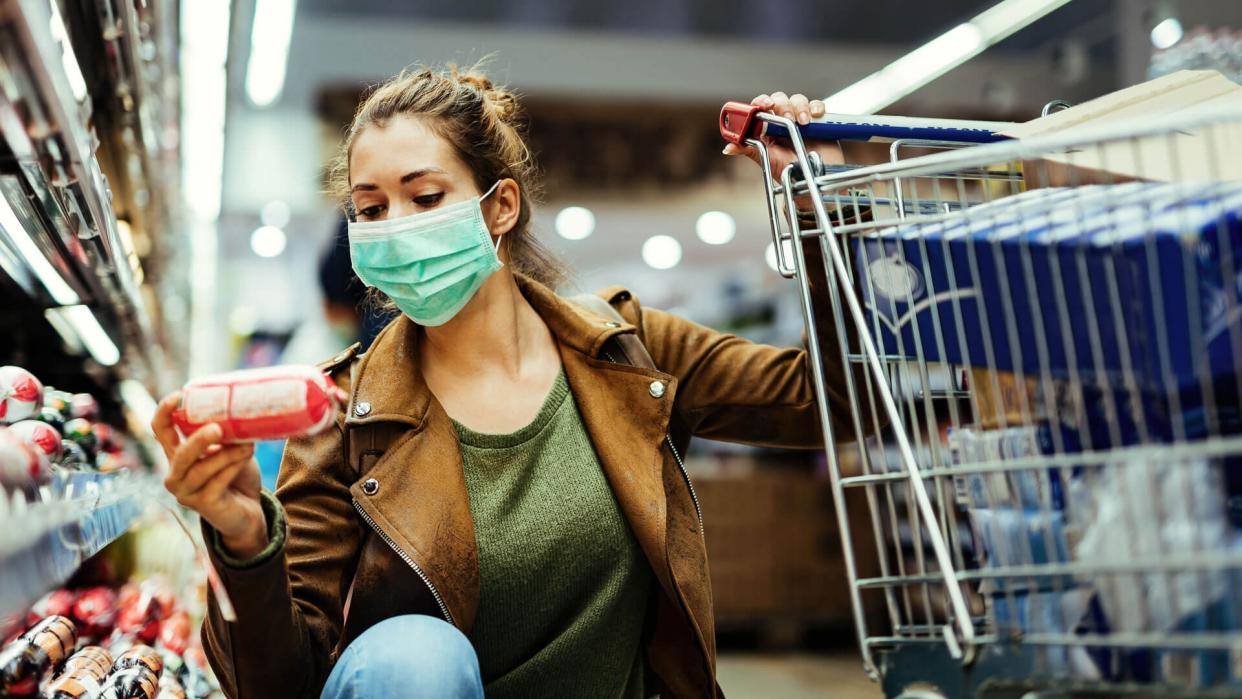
(629,349)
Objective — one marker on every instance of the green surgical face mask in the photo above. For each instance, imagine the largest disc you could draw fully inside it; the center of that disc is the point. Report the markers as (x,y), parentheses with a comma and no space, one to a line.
(430,264)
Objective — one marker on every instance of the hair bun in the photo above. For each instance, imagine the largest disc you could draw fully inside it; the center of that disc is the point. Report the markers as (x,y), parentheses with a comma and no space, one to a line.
(502,102)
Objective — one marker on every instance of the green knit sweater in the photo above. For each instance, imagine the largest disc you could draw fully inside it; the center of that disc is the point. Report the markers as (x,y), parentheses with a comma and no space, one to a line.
(564,584)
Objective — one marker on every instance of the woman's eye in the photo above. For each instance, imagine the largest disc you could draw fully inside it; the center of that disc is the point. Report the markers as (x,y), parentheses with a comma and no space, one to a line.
(370,211)
(429,199)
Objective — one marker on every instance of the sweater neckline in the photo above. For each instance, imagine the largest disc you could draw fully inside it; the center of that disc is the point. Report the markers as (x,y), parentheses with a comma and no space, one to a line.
(484,440)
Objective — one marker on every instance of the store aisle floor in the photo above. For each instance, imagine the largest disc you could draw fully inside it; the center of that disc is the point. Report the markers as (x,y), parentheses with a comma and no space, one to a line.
(794,676)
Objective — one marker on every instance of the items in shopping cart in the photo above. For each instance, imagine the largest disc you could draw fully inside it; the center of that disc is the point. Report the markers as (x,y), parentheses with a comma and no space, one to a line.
(1087,282)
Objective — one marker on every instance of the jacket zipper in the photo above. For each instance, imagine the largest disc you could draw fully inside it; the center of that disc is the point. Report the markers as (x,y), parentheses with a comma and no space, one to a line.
(686,475)
(409,561)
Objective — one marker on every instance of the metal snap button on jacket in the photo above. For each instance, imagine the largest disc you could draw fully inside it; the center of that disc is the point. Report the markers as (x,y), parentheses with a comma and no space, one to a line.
(370,486)
(657,389)
(612,324)
(362,409)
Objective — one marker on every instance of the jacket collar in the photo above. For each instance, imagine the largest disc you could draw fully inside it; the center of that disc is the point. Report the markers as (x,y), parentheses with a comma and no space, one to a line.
(387,387)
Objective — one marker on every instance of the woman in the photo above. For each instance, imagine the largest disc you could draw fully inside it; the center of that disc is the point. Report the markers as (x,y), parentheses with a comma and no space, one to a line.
(501,505)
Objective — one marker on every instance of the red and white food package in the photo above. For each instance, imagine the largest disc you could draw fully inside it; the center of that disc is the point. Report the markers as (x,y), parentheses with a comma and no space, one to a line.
(41,436)
(21,465)
(21,394)
(258,404)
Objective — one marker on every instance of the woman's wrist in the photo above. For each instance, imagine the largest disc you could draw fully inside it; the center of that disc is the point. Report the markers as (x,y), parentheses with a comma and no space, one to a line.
(250,541)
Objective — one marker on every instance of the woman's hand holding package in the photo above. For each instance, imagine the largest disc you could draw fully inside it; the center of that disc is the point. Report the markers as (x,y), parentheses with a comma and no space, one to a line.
(219,482)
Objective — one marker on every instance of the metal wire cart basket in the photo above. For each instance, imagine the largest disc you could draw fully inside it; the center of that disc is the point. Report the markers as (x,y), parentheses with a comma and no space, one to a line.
(1045,338)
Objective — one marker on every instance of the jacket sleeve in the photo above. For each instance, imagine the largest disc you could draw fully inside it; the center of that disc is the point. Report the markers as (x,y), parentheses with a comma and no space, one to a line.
(731,389)
(289,602)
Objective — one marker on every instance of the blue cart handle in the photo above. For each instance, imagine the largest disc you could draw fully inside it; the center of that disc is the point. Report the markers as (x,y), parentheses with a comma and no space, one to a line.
(739,122)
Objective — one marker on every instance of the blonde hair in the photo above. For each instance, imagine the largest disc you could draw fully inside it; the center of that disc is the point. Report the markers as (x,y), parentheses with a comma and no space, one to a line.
(484,124)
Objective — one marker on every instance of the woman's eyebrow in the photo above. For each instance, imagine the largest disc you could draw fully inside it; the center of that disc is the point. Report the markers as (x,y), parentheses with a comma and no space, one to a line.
(411,176)
(405,179)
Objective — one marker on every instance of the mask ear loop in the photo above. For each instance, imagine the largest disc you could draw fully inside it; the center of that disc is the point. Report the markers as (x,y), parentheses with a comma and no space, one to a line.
(487,194)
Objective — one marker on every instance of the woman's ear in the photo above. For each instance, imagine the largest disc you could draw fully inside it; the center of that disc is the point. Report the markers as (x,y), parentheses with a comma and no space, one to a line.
(506,205)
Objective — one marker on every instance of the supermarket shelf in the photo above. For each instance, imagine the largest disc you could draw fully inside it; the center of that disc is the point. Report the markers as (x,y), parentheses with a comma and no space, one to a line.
(42,542)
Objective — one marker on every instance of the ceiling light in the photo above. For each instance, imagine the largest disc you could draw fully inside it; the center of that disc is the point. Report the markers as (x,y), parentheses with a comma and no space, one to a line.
(275,213)
(938,56)
(269,50)
(662,252)
(1166,34)
(575,222)
(88,331)
(268,241)
(55,284)
(139,401)
(73,72)
(715,228)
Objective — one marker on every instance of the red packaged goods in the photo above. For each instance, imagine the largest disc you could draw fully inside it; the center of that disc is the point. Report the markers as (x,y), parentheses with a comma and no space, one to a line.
(82,431)
(259,404)
(54,603)
(142,610)
(25,660)
(83,675)
(21,465)
(175,632)
(95,612)
(21,394)
(135,675)
(39,435)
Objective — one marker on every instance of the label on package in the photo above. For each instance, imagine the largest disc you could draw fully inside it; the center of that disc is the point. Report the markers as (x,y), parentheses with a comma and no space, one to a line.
(268,398)
(206,404)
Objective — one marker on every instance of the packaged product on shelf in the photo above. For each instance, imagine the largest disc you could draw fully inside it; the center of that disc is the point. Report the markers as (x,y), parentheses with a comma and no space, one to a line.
(41,436)
(83,675)
(259,404)
(95,611)
(73,455)
(82,432)
(170,688)
(135,675)
(175,632)
(142,610)
(54,603)
(21,465)
(21,394)
(43,646)
(83,405)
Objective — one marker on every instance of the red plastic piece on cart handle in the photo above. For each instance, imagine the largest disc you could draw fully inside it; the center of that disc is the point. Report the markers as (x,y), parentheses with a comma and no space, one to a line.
(736,121)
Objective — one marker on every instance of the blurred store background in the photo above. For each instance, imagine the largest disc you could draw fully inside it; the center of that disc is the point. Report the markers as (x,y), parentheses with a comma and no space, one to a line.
(212,245)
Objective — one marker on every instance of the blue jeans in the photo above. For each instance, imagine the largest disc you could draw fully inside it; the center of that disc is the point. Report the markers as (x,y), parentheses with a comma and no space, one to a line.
(407,656)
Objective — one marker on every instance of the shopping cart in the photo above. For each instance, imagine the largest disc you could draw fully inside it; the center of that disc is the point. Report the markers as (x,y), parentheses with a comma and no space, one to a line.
(1044,338)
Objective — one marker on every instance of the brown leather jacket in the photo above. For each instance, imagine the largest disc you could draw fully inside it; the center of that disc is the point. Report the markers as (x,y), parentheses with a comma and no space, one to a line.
(394,536)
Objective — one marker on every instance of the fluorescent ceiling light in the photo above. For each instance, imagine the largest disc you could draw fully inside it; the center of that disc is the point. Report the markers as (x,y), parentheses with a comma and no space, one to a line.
(1166,34)
(575,222)
(662,252)
(715,228)
(938,56)
(88,330)
(268,241)
(269,50)
(769,254)
(67,58)
(55,284)
(138,399)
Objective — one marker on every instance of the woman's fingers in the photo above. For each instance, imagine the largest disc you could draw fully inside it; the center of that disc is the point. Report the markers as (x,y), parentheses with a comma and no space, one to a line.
(214,488)
(781,106)
(162,424)
(191,450)
(818,109)
(801,106)
(762,101)
(204,469)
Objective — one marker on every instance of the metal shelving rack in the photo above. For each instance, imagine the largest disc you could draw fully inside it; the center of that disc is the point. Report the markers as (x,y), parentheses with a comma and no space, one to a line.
(89,229)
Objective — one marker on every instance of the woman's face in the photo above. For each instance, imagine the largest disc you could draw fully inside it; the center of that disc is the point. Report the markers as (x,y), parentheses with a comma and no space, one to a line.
(404,168)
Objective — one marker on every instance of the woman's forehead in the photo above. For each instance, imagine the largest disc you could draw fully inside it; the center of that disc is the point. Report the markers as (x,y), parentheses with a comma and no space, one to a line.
(401,143)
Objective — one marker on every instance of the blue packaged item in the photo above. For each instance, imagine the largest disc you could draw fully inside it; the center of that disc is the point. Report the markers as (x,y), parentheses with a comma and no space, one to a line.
(1010,537)
(1135,282)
